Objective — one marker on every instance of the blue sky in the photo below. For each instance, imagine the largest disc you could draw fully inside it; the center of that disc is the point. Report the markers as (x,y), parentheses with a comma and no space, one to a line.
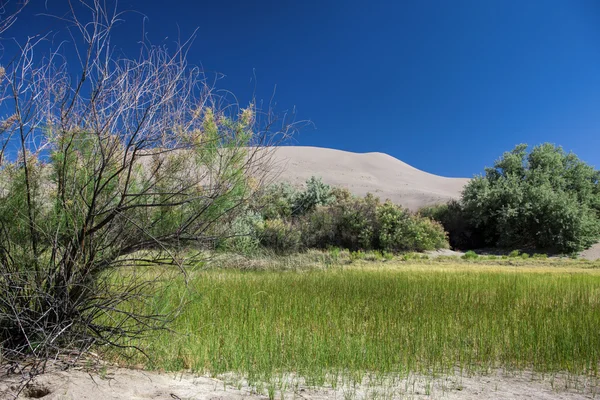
(445,86)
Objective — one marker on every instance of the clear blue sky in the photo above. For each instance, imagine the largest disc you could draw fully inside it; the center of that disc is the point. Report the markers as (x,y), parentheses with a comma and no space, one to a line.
(446,86)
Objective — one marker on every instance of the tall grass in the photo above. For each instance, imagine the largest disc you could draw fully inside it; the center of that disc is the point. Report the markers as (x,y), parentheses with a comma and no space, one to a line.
(346,321)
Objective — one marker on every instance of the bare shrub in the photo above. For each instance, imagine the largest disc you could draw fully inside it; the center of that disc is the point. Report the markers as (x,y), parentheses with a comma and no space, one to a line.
(132,164)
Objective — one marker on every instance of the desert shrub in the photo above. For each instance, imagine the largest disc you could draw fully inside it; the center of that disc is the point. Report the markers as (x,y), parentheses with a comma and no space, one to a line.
(401,231)
(470,255)
(112,162)
(276,201)
(349,222)
(334,253)
(545,199)
(318,229)
(340,194)
(357,222)
(241,234)
(335,218)
(315,194)
(279,235)
(282,200)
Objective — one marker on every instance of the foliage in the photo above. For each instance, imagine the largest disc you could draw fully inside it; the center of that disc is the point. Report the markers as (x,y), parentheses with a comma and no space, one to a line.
(130,164)
(326,217)
(544,199)
(318,229)
(470,255)
(279,235)
(461,234)
(316,194)
(277,201)
(241,235)
(400,231)
(349,222)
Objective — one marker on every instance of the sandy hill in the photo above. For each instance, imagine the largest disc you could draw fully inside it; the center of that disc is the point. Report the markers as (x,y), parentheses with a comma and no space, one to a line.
(377,173)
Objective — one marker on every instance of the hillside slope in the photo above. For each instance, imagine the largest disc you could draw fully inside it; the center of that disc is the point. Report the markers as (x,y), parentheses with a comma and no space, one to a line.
(377,173)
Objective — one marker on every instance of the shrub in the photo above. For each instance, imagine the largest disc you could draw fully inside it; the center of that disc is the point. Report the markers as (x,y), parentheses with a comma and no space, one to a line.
(334,253)
(120,162)
(342,220)
(357,255)
(241,235)
(357,222)
(349,222)
(318,229)
(400,231)
(280,236)
(412,256)
(276,201)
(514,254)
(315,194)
(545,199)
(470,255)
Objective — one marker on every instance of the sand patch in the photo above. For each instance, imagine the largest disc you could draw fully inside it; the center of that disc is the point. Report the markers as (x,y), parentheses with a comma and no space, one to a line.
(119,383)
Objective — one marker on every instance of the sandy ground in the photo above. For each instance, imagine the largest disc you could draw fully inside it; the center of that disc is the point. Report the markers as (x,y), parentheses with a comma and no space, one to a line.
(593,253)
(133,385)
(377,173)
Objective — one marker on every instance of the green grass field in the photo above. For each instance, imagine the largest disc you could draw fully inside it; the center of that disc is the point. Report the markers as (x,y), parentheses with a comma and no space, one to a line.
(383,317)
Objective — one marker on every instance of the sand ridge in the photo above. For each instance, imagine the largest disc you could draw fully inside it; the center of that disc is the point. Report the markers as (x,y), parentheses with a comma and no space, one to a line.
(362,173)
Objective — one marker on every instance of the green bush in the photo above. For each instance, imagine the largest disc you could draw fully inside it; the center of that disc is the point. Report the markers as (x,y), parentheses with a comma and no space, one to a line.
(318,229)
(323,217)
(316,194)
(357,255)
(546,199)
(241,236)
(401,231)
(470,255)
(279,235)
(357,222)
(349,222)
(276,201)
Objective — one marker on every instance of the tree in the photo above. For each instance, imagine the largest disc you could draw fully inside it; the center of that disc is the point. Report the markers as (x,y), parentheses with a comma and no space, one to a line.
(132,164)
(546,199)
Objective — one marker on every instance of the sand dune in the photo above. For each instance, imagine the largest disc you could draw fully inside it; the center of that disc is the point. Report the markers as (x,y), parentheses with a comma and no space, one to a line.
(377,173)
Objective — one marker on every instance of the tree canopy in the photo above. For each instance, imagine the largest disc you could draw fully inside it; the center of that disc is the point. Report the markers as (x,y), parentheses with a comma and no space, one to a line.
(545,199)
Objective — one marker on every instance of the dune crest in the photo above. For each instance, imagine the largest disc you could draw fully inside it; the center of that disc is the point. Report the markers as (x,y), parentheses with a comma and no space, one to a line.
(362,173)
